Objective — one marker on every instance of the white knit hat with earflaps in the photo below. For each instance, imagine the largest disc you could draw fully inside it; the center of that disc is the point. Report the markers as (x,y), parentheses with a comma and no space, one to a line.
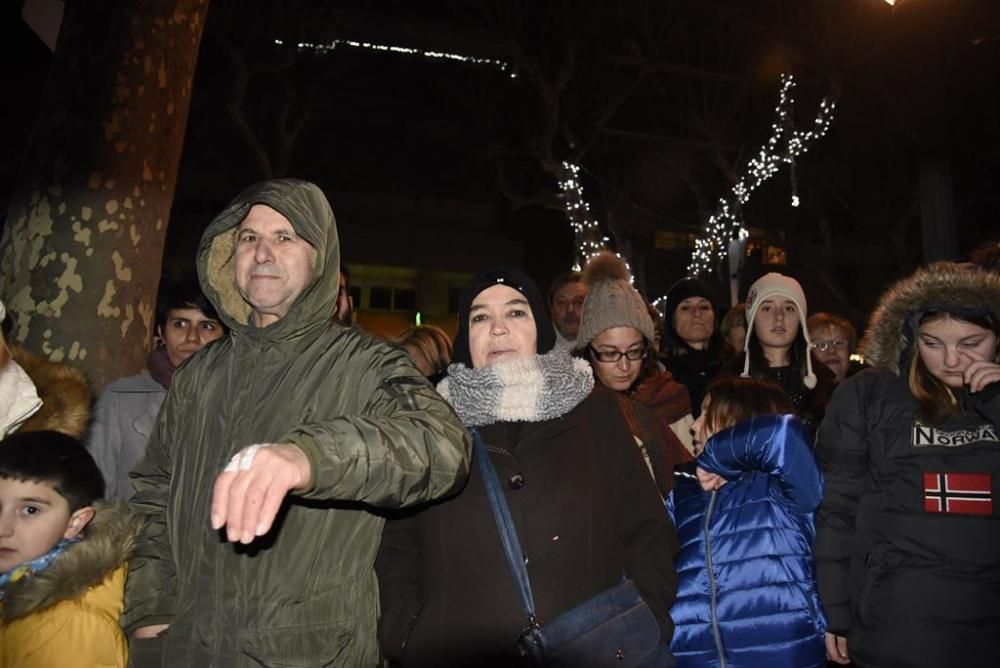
(778,285)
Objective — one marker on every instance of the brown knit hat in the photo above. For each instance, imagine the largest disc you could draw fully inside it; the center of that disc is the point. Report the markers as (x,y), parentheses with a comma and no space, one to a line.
(611,300)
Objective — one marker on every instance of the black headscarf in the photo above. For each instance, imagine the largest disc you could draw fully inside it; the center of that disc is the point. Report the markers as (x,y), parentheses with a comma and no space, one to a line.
(546,336)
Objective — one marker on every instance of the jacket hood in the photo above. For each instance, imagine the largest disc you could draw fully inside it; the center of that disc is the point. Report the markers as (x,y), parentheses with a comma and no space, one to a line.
(309,212)
(106,545)
(942,286)
(65,395)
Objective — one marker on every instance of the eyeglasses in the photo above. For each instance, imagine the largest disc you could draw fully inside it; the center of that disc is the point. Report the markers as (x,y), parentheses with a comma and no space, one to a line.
(830,346)
(611,356)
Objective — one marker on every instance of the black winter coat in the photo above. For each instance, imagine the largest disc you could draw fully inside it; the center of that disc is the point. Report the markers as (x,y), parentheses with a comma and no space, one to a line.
(908,534)
(586,511)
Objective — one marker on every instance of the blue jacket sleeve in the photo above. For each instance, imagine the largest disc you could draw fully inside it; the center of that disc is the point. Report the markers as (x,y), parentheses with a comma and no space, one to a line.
(777,445)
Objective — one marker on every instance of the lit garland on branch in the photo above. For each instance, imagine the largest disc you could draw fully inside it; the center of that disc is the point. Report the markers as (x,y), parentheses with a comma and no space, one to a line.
(587,233)
(402,50)
(783,146)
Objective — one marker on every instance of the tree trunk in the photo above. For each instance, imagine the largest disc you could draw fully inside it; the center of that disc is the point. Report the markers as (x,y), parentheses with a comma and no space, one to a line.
(82,248)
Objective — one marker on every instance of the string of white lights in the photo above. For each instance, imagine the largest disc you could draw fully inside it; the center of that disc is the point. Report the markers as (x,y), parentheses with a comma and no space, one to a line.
(402,50)
(587,233)
(783,146)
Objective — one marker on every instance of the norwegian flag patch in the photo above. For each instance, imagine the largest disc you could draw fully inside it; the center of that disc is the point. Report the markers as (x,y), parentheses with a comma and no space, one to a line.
(961,493)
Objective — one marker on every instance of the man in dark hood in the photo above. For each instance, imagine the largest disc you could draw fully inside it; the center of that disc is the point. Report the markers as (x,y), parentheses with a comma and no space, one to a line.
(270,451)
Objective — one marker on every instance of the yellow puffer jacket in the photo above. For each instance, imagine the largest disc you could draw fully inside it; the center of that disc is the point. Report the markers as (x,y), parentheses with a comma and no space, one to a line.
(67,614)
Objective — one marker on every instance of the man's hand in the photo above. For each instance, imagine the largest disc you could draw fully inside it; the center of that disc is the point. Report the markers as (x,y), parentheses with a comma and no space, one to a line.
(709,481)
(249,491)
(149,631)
(836,649)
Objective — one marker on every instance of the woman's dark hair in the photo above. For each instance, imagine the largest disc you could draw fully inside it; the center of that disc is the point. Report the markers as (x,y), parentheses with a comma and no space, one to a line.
(56,459)
(935,401)
(672,345)
(185,293)
(797,353)
(733,399)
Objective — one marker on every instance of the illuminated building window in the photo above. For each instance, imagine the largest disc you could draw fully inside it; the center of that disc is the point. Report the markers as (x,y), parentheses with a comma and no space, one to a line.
(674,241)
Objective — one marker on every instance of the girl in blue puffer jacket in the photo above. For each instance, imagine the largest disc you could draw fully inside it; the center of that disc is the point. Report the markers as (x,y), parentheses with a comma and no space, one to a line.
(747,580)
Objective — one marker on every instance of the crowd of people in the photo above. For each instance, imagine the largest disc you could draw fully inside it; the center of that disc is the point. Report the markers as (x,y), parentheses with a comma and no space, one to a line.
(281,488)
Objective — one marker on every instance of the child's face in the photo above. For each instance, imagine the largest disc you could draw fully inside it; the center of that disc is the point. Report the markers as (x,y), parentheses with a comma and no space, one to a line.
(776,323)
(702,430)
(34,517)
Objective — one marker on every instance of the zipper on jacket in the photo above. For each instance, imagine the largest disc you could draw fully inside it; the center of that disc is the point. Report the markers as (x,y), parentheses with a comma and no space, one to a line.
(713,593)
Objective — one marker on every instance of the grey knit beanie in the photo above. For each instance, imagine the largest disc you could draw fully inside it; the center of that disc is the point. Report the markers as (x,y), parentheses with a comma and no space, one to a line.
(611,300)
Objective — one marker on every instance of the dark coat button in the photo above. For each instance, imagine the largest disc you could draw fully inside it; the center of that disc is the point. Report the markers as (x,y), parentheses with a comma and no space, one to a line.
(516,481)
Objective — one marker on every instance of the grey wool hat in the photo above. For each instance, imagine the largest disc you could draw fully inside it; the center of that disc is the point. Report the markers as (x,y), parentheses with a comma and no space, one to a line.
(611,300)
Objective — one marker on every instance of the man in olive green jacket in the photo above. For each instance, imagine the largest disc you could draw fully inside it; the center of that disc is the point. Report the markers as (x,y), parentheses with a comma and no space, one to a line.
(270,452)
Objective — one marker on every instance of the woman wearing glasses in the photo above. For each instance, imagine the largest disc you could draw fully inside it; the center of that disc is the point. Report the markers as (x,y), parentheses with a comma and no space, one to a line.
(616,334)
(834,339)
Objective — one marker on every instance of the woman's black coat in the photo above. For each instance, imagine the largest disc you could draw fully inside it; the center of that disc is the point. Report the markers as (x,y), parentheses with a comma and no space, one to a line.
(586,511)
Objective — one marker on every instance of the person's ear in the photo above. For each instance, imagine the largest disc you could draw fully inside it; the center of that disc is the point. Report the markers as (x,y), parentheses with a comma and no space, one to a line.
(78,521)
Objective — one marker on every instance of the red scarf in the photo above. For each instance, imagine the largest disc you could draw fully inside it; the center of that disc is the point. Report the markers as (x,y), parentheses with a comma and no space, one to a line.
(160,367)
(650,409)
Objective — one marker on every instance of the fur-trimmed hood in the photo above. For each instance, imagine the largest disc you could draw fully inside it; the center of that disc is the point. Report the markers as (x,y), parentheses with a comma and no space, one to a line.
(65,394)
(106,545)
(889,337)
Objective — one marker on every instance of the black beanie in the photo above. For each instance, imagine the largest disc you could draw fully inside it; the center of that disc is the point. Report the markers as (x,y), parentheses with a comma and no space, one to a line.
(546,336)
(678,292)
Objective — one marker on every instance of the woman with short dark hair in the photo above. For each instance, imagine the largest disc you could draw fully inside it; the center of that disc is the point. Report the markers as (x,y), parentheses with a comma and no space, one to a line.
(125,412)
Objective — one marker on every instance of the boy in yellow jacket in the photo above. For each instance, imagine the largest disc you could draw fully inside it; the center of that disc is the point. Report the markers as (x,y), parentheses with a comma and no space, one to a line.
(62,556)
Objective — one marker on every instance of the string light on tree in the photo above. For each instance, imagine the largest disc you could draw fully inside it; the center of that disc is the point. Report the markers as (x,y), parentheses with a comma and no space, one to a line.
(587,233)
(783,146)
(402,50)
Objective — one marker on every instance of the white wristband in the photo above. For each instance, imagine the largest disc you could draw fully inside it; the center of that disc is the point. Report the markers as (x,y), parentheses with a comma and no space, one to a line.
(243,460)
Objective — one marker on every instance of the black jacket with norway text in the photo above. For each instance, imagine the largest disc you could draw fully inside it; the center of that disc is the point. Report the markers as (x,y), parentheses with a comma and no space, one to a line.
(908,534)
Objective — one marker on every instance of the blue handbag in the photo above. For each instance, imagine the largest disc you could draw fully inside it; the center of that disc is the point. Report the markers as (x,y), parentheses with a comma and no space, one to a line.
(613,628)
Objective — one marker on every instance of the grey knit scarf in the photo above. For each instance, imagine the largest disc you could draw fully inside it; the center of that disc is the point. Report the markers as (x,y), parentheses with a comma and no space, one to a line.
(525,389)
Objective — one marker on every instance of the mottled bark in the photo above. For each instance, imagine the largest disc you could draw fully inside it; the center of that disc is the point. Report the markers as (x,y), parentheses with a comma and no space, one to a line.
(80,259)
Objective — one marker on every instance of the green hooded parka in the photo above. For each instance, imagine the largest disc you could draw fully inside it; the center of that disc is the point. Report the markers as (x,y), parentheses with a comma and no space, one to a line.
(376,434)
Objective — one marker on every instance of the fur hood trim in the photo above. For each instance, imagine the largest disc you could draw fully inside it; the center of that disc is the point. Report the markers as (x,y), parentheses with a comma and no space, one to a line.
(107,543)
(889,337)
(65,395)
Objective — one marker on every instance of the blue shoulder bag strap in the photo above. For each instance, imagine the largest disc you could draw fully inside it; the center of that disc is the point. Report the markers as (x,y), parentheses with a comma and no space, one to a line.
(505,526)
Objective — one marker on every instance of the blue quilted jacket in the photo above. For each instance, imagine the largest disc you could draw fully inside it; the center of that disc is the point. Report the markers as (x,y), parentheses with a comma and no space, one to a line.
(747,580)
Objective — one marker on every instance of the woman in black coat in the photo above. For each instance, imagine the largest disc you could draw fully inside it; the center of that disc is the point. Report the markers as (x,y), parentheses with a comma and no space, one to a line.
(908,534)
(583,504)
